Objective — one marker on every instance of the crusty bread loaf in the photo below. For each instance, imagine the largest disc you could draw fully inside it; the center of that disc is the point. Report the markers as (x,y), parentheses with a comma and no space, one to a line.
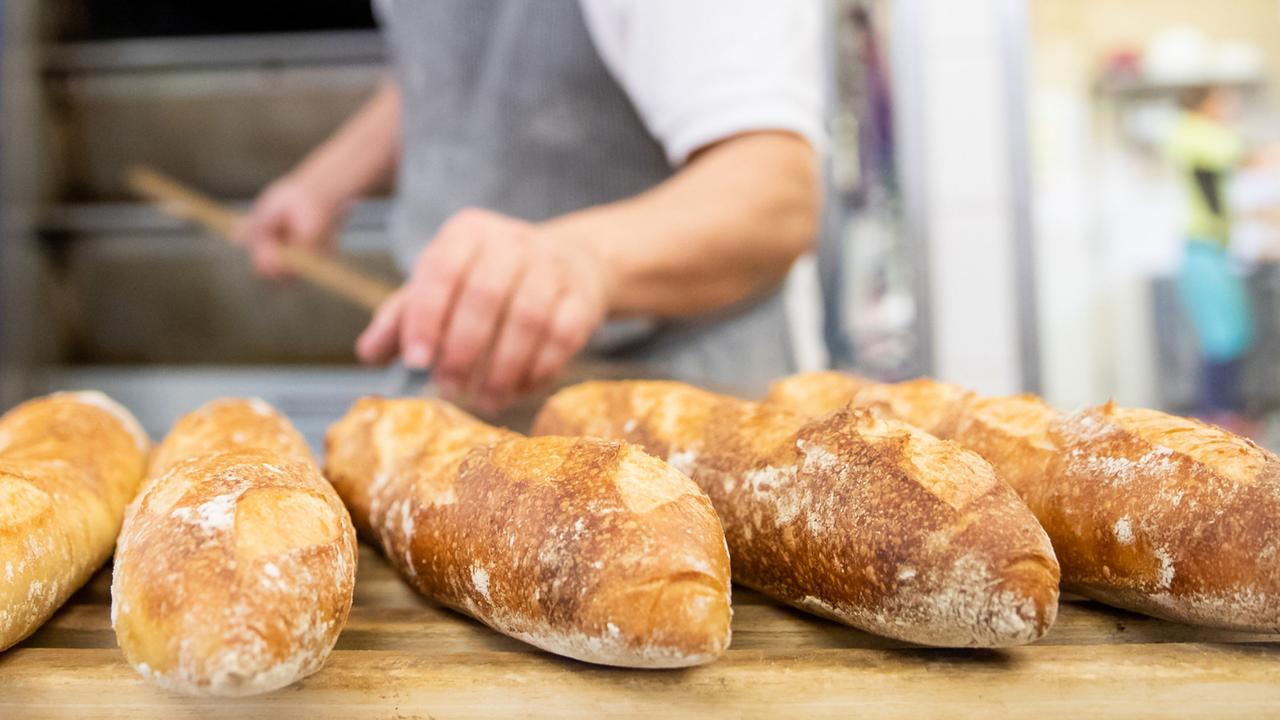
(230,424)
(815,394)
(927,404)
(236,565)
(1012,433)
(855,517)
(1147,511)
(69,463)
(1166,516)
(586,548)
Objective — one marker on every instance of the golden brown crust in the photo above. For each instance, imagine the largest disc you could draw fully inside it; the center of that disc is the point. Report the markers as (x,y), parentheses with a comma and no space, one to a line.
(236,566)
(1012,433)
(228,424)
(853,516)
(814,394)
(930,405)
(69,463)
(1147,511)
(585,548)
(1166,516)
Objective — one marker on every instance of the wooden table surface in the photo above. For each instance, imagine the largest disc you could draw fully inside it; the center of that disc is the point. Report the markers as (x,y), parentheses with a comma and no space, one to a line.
(403,657)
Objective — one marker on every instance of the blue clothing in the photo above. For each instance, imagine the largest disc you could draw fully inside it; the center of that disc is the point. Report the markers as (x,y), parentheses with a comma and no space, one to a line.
(1216,300)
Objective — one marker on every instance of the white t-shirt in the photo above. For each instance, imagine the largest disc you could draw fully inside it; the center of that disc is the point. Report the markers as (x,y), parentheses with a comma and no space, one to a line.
(699,71)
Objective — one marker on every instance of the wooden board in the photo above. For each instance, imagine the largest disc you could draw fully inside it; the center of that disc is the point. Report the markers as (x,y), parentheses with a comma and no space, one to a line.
(402,656)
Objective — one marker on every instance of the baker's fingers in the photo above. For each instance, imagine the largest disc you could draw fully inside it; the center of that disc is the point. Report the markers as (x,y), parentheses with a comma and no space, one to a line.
(380,341)
(267,226)
(431,292)
(526,322)
(265,256)
(481,305)
(573,321)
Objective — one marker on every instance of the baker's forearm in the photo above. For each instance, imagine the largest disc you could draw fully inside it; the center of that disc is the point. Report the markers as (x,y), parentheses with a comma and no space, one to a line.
(361,154)
(726,227)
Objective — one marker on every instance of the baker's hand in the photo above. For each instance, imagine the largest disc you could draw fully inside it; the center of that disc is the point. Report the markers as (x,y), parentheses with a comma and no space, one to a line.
(495,306)
(290,211)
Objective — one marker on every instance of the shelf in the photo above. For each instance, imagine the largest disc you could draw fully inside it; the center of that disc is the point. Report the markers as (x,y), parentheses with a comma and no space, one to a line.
(118,218)
(344,47)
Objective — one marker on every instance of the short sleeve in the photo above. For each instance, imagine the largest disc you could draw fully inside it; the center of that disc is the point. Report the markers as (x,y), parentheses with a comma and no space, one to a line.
(703,70)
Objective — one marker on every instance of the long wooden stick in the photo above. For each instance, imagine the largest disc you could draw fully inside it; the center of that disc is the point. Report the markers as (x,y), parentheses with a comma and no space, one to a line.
(185,203)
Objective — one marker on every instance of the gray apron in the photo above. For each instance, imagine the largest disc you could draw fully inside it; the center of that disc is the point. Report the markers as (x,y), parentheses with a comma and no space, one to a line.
(507,106)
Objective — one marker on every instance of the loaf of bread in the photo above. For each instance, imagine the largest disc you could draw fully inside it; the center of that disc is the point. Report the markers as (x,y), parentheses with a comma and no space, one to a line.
(231,424)
(586,548)
(1147,511)
(815,394)
(861,519)
(926,404)
(1012,433)
(236,566)
(1166,516)
(69,463)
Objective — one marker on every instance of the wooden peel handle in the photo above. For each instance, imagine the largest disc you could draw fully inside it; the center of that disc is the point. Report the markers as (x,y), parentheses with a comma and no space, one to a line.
(183,202)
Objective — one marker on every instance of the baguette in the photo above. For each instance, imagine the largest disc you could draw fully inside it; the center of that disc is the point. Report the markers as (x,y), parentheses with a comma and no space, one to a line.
(1012,433)
(929,405)
(1166,516)
(1148,512)
(816,394)
(69,463)
(854,517)
(588,549)
(236,566)
(225,425)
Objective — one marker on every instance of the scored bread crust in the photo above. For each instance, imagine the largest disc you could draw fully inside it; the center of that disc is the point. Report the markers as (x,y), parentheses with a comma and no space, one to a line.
(1167,516)
(69,463)
(229,424)
(585,548)
(1147,511)
(1012,433)
(235,570)
(933,406)
(854,517)
(817,393)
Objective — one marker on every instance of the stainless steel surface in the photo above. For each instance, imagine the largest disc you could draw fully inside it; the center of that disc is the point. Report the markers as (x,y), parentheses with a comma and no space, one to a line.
(179,297)
(121,284)
(226,130)
(312,398)
(363,227)
(23,347)
(223,51)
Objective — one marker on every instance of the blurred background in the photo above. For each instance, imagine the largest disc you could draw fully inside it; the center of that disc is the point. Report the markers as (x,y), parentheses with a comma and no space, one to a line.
(1071,197)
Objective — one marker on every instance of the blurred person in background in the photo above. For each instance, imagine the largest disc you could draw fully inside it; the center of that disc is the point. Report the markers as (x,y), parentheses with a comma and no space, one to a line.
(634,174)
(1206,149)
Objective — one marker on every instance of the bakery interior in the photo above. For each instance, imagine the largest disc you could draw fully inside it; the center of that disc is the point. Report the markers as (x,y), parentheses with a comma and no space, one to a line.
(1001,211)
(1015,229)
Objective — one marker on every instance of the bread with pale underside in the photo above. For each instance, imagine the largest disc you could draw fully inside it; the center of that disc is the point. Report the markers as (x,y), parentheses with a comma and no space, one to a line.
(855,517)
(235,570)
(69,464)
(590,549)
